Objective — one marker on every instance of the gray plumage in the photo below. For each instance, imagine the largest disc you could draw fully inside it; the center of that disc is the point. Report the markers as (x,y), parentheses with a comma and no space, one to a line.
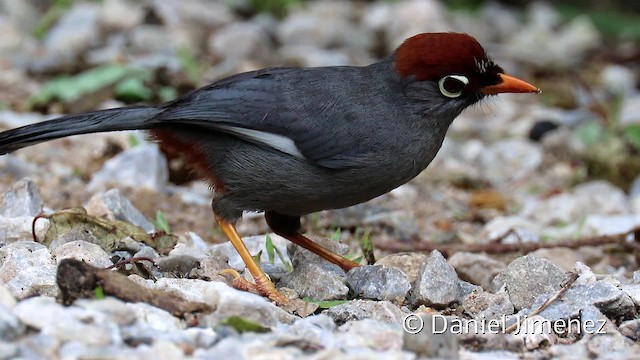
(362,132)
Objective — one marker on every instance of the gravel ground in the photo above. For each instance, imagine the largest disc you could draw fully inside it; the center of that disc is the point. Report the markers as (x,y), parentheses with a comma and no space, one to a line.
(530,197)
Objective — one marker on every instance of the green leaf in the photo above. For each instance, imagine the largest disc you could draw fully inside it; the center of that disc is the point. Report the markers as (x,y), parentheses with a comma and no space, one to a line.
(71,88)
(354,257)
(98,292)
(270,249)
(276,7)
(590,133)
(633,135)
(167,93)
(134,140)
(162,223)
(366,244)
(336,235)
(190,65)
(256,257)
(324,304)
(50,17)
(132,90)
(243,325)
(284,261)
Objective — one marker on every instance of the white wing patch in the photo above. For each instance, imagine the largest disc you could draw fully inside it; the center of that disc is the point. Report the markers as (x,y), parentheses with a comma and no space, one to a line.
(278,142)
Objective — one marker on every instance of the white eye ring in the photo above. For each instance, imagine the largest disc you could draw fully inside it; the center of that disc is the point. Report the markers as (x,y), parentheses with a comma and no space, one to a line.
(463,79)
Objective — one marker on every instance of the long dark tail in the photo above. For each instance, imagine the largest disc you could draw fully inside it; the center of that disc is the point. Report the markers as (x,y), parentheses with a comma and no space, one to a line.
(127,118)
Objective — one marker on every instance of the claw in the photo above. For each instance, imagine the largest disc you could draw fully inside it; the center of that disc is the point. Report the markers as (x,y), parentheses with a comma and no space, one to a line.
(263,286)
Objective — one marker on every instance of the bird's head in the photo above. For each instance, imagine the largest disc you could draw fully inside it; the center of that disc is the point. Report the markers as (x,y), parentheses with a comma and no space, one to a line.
(454,68)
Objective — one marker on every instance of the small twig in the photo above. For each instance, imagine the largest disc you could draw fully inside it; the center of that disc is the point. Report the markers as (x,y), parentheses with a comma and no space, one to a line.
(132,260)
(526,247)
(573,276)
(33,225)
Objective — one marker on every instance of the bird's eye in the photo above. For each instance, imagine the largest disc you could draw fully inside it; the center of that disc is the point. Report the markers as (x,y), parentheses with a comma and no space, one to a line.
(452,85)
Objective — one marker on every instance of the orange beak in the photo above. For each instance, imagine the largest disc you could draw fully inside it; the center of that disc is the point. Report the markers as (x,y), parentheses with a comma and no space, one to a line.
(510,84)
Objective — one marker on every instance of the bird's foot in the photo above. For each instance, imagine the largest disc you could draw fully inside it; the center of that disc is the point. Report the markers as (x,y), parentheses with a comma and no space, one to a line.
(263,286)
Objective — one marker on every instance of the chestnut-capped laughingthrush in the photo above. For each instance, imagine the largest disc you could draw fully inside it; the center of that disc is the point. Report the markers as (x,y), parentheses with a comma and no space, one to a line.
(292,141)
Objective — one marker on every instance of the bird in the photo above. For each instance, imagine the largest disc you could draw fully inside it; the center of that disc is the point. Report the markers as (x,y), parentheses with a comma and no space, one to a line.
(290,141)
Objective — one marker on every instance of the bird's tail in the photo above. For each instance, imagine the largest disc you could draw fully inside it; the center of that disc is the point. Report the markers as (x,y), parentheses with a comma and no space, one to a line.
(127,118)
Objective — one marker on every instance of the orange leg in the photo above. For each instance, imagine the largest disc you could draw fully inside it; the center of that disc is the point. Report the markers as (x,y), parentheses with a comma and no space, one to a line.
(263,284)
(288,227)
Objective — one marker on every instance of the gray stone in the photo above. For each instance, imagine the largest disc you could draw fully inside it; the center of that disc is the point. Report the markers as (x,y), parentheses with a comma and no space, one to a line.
(18,228)
(150,318)
(23,14)
(299,254)
(618,80)
(477,269)
(378,283)
(10,327)
(249,346)
(148,38)
(611,346)
(74,33)
(593,321)
(567,44)
(121,14)
(39,346)
(309,56)
(226,301)
(634,190)
(209,269)
(596,197)
(605,296)
(383,311)
(255,244)
(604,341)
(238,41)
(409,263)
(22,199)
(510,160)
(316,329)
(6,299)
(115,206)
(629,112)
(116,310)
(15,167)
(633,290)
(81,250)
(12,119)
(201,13)
(609,224)
(142,166)
(27,269)
(66,324)
(402,19)
(318,280)
(511,229)
(631,329)
(564,258)
(527,277)
(323,24)
(369,334)
(636,277)
(534,333)
(9,350)
(484,305)
(434,340)
(177,265)
(466,288)
(436,283)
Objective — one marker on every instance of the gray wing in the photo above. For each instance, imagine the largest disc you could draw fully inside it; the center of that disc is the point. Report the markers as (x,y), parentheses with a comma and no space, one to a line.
(257,107)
